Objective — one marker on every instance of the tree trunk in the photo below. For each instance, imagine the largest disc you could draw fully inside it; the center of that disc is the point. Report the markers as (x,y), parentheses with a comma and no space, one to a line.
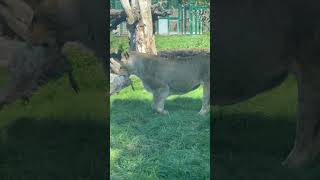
(145,38)
(139,25)
(140,31)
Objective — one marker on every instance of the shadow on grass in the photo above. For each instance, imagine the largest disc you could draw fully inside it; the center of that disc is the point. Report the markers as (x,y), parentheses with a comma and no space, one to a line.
(172,105)
(252,146)
(152,146)
(53,149)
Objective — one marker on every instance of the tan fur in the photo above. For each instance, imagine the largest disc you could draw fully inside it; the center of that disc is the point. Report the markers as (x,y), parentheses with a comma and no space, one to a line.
(237,80)
(168,75)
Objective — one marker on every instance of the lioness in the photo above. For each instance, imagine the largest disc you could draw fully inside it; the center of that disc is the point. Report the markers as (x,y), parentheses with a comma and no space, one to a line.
(258,43)
(167,75)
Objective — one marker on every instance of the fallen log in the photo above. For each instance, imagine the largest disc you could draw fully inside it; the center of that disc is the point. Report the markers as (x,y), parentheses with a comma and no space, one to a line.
(117,83)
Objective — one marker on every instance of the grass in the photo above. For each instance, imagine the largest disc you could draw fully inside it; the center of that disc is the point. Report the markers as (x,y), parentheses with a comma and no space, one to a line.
(145,145)
(253,137)
(59,134)
(168,42)
(3,76)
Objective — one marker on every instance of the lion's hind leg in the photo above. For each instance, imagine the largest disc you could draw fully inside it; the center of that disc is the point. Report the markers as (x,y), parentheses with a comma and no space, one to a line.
(307,142)
(205,99)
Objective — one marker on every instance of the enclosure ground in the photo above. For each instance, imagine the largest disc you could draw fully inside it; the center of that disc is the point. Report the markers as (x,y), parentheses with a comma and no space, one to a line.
(59,134)
(145,145)
(253,138)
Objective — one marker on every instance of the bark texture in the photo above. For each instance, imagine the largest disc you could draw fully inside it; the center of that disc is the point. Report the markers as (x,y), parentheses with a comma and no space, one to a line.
(140,16)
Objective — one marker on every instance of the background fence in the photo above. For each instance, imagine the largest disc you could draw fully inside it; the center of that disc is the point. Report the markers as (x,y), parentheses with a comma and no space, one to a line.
(186,18)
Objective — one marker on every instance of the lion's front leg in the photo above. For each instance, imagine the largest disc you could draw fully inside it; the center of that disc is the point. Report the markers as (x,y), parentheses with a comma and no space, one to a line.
(307,142)
(159,97)
(205,99)
(160,92)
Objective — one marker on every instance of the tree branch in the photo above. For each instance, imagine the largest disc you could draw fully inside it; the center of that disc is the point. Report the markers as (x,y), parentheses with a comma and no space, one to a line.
(127,8)
(119,16)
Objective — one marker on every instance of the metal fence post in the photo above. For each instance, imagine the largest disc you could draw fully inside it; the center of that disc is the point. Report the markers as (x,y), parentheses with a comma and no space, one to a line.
(185,19)
(196,20)
(179,17)
(168,26)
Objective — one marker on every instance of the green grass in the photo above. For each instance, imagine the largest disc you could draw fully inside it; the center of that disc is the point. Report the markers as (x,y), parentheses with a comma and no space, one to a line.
(253,137)
(59,134)
(3,76)
(168,42)
(145,145)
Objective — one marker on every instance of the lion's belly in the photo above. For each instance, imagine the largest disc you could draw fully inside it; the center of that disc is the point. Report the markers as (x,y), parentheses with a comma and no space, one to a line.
(182,87)
(183,81)
(253,55)
(240,88)
(176,87)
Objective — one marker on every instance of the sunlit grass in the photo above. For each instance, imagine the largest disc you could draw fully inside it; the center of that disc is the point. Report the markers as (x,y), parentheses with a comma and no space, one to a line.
(253,137)
(145,145)
(59,134)
(148,145)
